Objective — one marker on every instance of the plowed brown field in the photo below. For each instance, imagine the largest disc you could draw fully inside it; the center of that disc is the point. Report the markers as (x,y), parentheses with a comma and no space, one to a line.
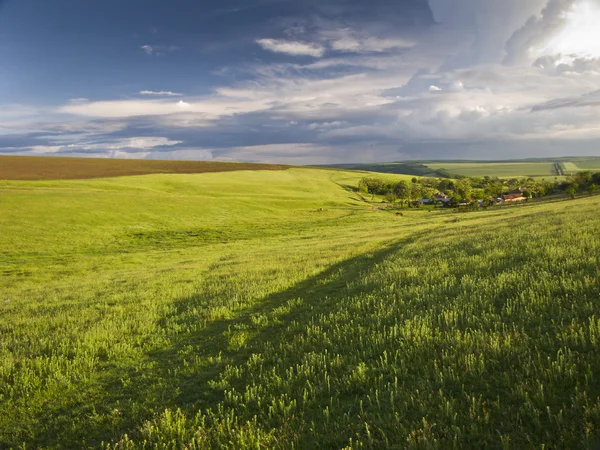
(60,168)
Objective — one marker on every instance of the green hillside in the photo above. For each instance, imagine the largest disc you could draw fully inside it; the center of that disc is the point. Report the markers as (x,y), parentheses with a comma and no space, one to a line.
(535,168)
(497,169)
(402,168)
(279,309)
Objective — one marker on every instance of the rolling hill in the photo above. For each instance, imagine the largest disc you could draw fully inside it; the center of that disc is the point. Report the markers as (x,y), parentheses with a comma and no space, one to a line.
(279,309)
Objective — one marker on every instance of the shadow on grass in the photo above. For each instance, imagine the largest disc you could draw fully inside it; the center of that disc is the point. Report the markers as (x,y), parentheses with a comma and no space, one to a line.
(173,383)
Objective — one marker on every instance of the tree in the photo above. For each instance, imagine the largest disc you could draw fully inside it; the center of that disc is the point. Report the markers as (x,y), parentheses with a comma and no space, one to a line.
(415,192)
(402,191)
(478,194)
(456,200)
(374,185)
(571,190)
(427,192)
(592,188)
(583,179)
(390,197)
(463,188)
(445,186)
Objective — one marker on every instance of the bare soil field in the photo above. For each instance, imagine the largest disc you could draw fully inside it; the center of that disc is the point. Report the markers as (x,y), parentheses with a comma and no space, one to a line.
(60,168)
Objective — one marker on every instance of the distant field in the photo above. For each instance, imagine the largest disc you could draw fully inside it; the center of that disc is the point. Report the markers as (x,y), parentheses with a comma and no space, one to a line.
(579,164)
(57,168)
(496,169)
(569,167)
(588,165)
(403,168)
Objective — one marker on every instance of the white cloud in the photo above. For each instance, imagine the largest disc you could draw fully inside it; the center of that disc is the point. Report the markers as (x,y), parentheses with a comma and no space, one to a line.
(140,142)
(293,48)
(161,93)
(580,34)
(527,42)
(188,154)
(44,149)
(326,125)
(158,50)
(148,49)
(79,100)
(434,88)
(351,41)
(137,143)
(127,108)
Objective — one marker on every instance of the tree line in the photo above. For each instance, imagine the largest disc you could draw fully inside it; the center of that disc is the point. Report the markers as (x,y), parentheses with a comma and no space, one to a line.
(468,190)
(586,181)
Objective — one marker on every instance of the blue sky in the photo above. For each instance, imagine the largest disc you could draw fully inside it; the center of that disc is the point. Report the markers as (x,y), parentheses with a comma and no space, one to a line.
(306,82)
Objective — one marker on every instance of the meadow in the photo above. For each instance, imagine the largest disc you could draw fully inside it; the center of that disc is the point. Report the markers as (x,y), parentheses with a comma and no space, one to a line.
(498,169)
(279,309)
(581,164)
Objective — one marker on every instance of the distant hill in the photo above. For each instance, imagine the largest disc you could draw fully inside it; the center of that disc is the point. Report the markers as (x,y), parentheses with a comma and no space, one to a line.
(63,168)
(517,168)
(403,168)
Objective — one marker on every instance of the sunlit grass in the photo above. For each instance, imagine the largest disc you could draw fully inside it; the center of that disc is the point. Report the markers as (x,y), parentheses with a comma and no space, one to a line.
(279,310)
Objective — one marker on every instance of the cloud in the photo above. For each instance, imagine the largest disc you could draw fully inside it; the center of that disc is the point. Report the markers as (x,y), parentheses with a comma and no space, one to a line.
(186,154)
(132,144)
(567,64)
(126,108)
(590,99)
(351,41)
(78,100)
(158,50)
(161,93)
(325,125)
(87,145)
(479,29)
(434,88)
(291,47)
(537,31)
(148,49)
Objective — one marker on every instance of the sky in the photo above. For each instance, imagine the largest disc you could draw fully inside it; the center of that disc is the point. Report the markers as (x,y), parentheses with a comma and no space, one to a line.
(311,82)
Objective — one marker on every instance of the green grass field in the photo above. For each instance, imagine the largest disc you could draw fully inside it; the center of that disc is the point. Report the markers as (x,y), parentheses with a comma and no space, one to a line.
(497,169)
(589,164)
(277,309)
(580,164)
(518,169)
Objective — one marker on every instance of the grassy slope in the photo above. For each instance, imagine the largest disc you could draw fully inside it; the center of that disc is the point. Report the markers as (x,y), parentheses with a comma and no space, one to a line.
(501,170)
(587,163)
(536,168)
(237,296)
(405,168)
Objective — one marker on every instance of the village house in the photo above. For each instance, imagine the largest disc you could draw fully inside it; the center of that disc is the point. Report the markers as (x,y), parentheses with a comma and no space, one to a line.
(441,198)
(438,199)
(518,191)
(514,198)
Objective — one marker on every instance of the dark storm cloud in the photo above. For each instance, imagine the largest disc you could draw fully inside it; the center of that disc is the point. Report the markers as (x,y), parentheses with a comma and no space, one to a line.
(26,140)
(591,99)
